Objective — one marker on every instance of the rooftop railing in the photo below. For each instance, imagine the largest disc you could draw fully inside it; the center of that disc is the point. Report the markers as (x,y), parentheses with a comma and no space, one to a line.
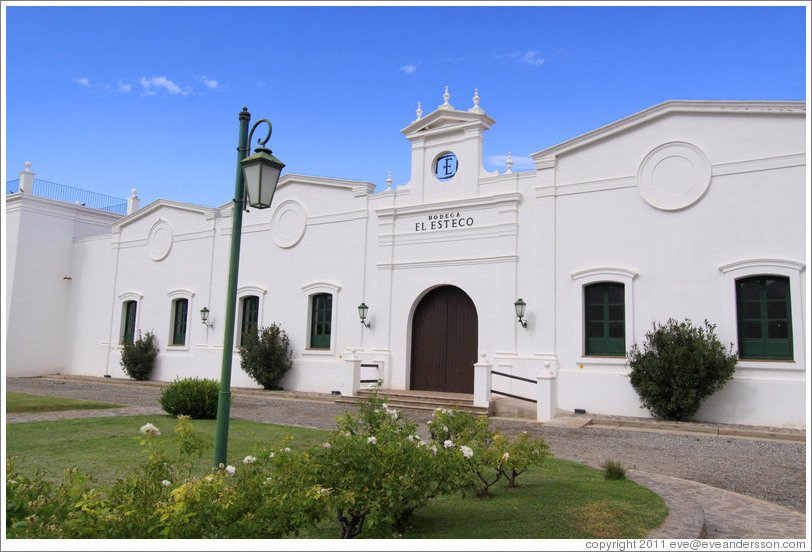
(68,194)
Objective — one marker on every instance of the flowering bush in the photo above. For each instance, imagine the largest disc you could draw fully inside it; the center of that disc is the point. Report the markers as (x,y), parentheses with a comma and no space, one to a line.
(515,454)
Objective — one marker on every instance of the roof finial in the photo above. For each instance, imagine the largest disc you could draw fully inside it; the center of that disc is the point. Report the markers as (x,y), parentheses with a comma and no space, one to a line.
(446,105)
(476,108)
(509,163)
(389,179)
(419,111)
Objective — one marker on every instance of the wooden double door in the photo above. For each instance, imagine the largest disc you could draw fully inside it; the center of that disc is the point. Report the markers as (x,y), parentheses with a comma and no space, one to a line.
(444,342)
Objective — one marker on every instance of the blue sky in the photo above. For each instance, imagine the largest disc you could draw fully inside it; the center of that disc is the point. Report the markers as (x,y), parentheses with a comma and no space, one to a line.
(113,97)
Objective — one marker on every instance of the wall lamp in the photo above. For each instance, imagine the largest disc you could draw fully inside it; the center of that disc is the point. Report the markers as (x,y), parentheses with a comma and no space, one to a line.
(204,316)
(520,306)
(363,309)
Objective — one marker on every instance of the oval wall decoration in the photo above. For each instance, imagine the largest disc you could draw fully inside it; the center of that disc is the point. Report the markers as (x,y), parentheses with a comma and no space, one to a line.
(674,176)
(159,240)
(288,224)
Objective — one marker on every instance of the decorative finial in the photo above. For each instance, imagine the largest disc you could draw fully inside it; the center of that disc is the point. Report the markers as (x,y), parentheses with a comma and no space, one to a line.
(27,165)
(509,162)
(419,111)
(389,179)
(446,105)
(476,97)
(135,192)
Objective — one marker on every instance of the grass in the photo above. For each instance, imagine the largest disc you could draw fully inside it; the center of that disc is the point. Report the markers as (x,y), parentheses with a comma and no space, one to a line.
(23,402)
(561,500)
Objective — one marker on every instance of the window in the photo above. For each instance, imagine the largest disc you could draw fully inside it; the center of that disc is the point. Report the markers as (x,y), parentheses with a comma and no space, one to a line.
(764,318)
(180,310)
(604,319)
(129,311)
(250,315)
(321,316)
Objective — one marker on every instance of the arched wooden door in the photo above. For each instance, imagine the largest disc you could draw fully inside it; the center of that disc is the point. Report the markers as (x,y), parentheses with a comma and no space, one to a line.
(444,342)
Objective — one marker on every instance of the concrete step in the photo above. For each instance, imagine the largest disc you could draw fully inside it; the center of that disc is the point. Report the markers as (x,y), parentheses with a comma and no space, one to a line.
(420,400)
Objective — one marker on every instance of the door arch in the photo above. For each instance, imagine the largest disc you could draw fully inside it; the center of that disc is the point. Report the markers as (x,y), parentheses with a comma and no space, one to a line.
(445,331)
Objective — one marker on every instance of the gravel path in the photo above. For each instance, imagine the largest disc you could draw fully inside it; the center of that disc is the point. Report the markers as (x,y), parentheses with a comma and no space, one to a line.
(769,470)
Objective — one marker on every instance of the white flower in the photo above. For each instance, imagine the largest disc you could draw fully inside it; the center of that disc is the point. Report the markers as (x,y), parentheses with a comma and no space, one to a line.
(428,423)
(231,470)
(286,449)
(433,449)
(445,428)
(272,455)
(324,491)
(326,445)
(166,483)
(385,406)
(249,459)
(506,456)
(466,451)
(209,478)
(150,430)
(448,443)
(372,440)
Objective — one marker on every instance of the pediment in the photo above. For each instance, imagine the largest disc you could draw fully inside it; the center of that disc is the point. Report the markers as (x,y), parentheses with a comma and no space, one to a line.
(161,205)
(447,119)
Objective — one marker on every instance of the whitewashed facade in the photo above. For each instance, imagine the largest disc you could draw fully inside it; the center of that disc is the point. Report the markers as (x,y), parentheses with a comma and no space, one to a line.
(669,209)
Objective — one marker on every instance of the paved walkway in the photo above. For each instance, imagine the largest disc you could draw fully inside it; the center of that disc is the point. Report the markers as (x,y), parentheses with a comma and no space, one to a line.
(696,510)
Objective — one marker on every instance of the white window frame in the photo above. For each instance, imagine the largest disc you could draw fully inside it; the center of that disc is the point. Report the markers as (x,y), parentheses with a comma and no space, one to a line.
(797,296)
(173,297)
(619,275)
(309,291)
(122,314)
(242,293)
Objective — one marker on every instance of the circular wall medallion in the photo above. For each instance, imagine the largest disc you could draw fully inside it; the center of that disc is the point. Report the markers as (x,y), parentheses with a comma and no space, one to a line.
(673,176)
(445,166)
(159,240)
(288,224)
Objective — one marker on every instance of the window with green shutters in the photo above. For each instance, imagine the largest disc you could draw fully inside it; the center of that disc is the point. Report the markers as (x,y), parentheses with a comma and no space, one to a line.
(250,315)
(321,315)
(605,319)
(130,309)
(764,318)
(181,310)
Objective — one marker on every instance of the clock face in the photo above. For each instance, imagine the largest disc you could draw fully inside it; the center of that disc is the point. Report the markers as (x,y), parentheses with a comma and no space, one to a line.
(446,166)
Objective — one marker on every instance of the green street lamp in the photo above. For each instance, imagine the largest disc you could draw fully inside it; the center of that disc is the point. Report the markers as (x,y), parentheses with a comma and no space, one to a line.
(257,177)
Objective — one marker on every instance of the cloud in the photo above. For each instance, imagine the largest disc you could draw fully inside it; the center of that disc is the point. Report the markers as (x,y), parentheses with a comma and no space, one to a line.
(531,57)
(82,82)
(520,163)
(153,84)
(211,84)
(124,88)
(410,69)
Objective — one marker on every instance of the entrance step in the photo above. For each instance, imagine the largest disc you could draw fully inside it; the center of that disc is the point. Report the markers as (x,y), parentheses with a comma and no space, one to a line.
(420,400)
(507,407)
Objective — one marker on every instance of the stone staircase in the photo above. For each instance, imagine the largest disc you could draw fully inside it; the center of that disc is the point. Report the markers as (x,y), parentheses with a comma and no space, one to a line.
(420,400)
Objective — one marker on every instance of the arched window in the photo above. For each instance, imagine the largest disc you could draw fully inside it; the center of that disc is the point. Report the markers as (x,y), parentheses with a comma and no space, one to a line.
(764,318)
(180,312)
(250,315)
(321,316)
(129,311)
(605,319)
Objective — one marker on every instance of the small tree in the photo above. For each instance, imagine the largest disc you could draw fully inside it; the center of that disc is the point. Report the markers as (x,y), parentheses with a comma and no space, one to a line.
(680,366)
(138,357)
(266,355)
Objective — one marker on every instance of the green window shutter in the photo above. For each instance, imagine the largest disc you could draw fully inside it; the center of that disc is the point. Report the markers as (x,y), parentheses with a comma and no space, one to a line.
(179,324)
(764,317)
(128,333)
(321,315)
(605,319)
(250,315)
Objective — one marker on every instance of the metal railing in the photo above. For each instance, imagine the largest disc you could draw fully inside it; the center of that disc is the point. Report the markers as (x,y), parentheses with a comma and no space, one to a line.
(528,380)
(68,194)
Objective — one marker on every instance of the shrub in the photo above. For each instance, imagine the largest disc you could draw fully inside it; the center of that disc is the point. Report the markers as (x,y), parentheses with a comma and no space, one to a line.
(680,366)
(515,454)
(266,355)
(613,470)
(138,357)
(193,397)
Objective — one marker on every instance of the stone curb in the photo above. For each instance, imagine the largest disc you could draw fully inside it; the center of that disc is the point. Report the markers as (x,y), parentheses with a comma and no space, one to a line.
(798,436)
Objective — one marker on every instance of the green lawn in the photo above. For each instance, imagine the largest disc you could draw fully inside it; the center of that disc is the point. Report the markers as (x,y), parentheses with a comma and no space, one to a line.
(23,402)
(563,499)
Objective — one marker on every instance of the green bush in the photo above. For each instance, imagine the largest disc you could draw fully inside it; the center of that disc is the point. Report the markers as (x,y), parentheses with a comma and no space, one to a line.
(266,355)
(613,470)
(138,357)
(193,397)
(680,366)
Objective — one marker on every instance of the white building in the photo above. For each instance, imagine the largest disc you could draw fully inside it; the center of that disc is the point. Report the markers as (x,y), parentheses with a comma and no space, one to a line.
(689,209)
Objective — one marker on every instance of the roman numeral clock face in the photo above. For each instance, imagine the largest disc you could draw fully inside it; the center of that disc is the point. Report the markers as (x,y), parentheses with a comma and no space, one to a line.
(445,167)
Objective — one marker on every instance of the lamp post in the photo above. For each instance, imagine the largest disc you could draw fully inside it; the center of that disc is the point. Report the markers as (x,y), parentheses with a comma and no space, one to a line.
(256,181)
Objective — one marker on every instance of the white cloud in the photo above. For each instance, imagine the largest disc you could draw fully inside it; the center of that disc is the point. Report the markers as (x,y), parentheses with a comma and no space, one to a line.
(82,82)
(210,83)
(520,163)
(531,57)
(153,84)
(409,69)
(124,88)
